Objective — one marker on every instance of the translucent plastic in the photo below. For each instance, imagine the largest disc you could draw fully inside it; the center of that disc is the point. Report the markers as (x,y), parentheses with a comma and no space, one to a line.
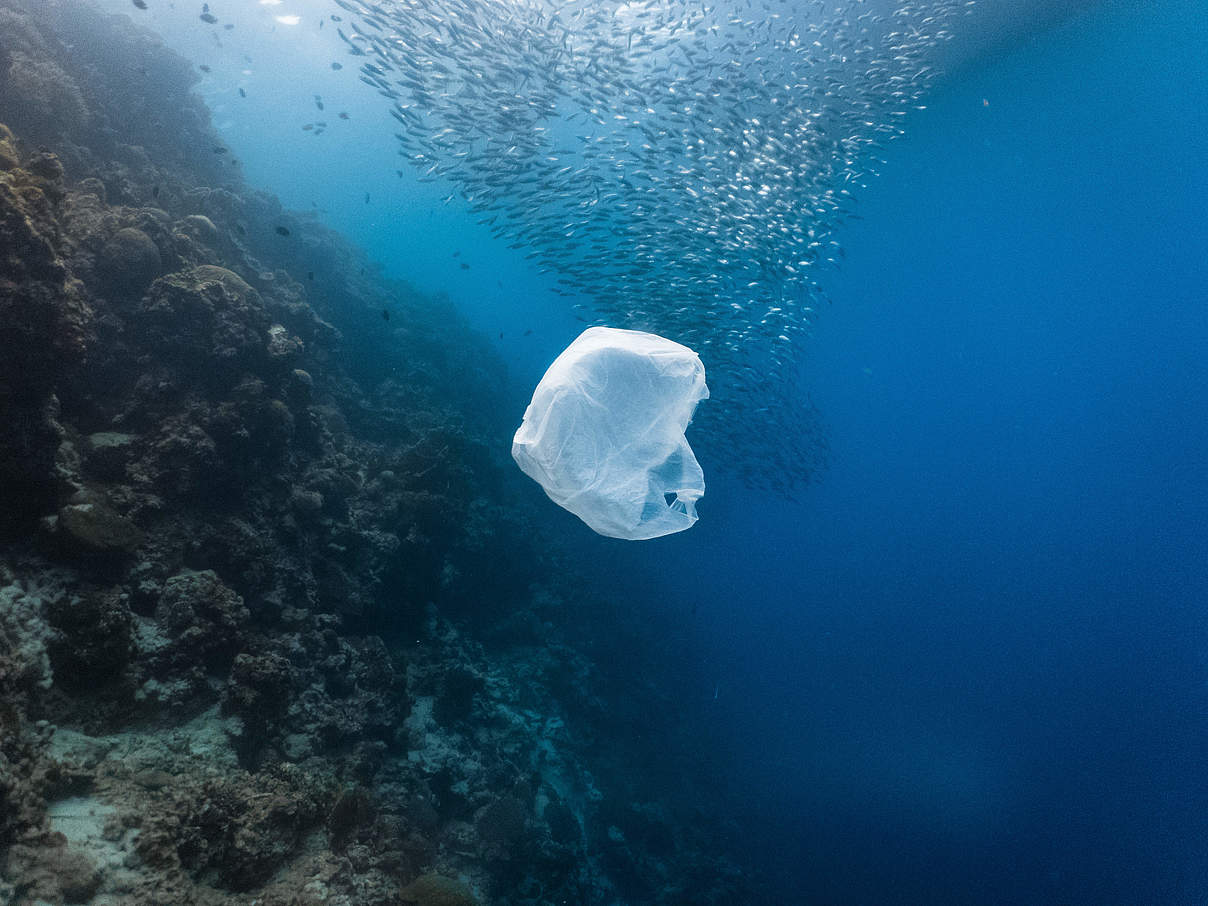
(604,434)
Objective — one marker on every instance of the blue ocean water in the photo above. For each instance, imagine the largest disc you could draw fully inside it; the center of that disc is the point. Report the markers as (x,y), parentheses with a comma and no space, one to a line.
(968,666)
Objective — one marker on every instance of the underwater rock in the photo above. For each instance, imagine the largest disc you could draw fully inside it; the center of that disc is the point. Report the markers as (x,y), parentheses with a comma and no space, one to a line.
(300,387)
(26,769)
(352,807)
(108,453)
(283,348)
(45,322)
(28,231)
(181,459)
(28,449)
(24,663)
(456,692)
(501,826)
(362,695)
(203,618)
(8,151)
(207,320)
(93,186)
(99,528)
(129,261)
(47,170)
(251,427)
(258,693)
(563,825)
(201,227)
(305,502)
(54,873)
(43,99)
(239,830)
(437,890)
(92,640)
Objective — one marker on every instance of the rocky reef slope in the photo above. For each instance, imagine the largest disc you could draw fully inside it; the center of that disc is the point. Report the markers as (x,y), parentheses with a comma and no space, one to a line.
(275,626)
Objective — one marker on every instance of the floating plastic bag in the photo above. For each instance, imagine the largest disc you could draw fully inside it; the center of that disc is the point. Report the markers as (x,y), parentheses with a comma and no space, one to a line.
(604,434)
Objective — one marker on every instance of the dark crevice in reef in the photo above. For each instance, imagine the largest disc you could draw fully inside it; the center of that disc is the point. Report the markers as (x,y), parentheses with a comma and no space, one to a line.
(275,626)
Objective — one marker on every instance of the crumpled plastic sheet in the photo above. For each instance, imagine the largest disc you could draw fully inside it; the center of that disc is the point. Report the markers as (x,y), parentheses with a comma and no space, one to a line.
(604,434)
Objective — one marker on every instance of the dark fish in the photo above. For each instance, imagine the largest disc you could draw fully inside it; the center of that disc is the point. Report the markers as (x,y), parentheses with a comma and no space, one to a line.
(282,231)
(204,68)
(366,198)
(337,66)
(240,230)
(501,334)
(528,332)
(218,149)
(385,314)
(155,192)
(464,266)
(242,93)
(318,102)
(308,127)
(208,17)
(310,275)
(343,115)
(228,27)
(336,18)
(139,4)
(457,254)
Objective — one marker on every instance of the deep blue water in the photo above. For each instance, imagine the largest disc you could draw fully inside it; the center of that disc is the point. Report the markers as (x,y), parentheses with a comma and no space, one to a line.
(970,665)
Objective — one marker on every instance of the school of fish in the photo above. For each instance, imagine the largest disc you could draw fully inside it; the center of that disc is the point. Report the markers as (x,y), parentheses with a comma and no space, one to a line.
(678,166)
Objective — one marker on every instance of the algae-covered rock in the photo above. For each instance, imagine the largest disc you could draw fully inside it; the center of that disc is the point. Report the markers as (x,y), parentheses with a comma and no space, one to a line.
(98,527)
(45,321)
(46,166)
(201,227)
(24,662)
(282,347)
(108,453)
(436,890)
(206,318)
(93,186)
(237,831)
(8,149)
(45,100)
(53,874)
(91,642)
(204,618)
(129,261)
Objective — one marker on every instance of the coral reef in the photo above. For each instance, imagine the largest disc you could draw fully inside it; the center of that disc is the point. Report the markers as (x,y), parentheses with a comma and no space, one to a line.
(275,626)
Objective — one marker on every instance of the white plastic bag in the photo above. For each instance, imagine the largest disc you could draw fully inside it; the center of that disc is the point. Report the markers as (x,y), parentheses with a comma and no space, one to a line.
(604,434)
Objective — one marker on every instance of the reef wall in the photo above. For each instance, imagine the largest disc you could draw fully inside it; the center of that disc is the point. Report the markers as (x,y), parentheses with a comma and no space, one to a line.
(275,623)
